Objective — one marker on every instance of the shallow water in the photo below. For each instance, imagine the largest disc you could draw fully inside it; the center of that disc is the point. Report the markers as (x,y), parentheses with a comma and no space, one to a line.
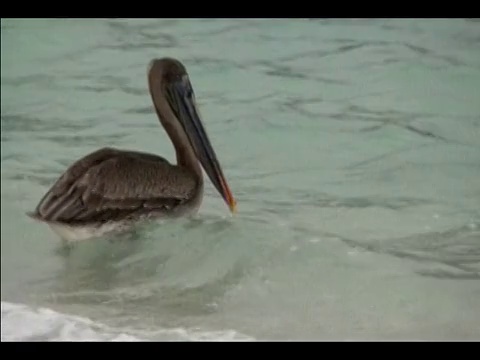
(352,147)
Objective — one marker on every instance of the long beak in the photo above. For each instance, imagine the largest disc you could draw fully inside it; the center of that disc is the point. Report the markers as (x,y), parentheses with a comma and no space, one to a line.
(182,100)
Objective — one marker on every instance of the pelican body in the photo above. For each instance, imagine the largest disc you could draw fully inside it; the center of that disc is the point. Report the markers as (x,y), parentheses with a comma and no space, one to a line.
(112,189)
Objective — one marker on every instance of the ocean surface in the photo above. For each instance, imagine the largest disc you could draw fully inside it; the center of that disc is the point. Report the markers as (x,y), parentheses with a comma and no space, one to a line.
(351,146)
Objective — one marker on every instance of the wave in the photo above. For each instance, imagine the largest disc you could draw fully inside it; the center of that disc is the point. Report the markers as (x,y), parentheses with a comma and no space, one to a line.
(21,322)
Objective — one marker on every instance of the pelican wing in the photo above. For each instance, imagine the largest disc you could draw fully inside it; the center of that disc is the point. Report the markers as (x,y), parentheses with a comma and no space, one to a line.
(110,184)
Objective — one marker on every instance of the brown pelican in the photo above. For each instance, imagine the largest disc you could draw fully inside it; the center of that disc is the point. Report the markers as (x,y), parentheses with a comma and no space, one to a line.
(111,189)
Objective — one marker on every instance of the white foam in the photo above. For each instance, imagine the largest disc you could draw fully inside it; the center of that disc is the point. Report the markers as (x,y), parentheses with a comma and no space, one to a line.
(82,233)
(23,323)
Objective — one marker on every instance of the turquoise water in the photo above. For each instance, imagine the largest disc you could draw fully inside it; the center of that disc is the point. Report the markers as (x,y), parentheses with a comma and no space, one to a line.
(352,147)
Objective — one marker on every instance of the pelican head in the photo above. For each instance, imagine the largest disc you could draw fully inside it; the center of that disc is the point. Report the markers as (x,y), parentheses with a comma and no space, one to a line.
(174,101)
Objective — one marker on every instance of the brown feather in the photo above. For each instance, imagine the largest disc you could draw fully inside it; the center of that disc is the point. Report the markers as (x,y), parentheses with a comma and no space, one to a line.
(111,184)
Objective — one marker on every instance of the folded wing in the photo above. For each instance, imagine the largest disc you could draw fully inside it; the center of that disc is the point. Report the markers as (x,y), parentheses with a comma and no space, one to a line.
(113,184)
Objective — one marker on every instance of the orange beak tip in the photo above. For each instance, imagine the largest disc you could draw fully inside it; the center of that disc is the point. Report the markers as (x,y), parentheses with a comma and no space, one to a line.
(233,207)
